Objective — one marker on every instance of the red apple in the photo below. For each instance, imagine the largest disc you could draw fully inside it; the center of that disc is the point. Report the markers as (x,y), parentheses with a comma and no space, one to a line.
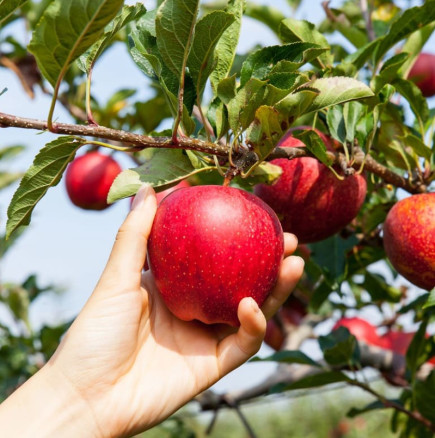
(362,330)
(310,201)
(292,313)
(88,179)
(397,341)
(211,246)
(423,73)
(409,239)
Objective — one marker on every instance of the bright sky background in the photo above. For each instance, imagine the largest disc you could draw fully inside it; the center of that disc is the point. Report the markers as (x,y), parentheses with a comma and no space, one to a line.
(68,246)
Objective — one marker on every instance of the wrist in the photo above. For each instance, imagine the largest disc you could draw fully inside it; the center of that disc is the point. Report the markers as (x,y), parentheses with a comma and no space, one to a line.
(47,405)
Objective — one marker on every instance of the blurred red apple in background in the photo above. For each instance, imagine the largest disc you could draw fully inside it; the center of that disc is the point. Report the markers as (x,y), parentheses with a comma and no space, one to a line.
(211,246)
(362,330)
(88,179)
(423,73)
(409,239)
(309,200)
(291,313)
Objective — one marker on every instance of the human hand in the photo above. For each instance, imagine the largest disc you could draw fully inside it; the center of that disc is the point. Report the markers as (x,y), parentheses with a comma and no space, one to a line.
(129,362)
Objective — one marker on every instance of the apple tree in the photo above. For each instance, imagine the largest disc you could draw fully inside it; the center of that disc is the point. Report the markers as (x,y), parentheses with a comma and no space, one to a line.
(337,137)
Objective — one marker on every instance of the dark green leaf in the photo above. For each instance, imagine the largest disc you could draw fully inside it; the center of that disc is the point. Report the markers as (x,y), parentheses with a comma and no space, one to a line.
(339,348)
(175,23)
(66,30)
(416,354)
(413,95)
(424,392)
(45,172)
(202,59)
(373,406)
(315,145)
(317,380)
(127,14)
(292,30)
(335,120)
(417,146)
(352,112)
(8,7)
(289,356)
(260,63)
(379,289)
(227,45)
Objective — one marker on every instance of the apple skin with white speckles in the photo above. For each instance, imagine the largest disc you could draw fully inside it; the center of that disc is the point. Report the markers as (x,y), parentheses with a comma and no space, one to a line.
(409,239)
(310,201)
(211,246)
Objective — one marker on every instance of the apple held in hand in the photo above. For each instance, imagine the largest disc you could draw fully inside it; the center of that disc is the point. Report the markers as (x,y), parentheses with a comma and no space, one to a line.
(88,179)
(423,73)
(409,239)
(211,246)
(309,200)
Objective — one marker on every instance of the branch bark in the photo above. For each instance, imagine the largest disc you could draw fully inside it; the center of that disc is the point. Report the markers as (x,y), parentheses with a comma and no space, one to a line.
(143,141)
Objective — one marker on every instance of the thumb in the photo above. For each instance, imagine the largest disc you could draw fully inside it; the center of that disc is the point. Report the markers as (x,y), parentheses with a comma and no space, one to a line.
(128,255)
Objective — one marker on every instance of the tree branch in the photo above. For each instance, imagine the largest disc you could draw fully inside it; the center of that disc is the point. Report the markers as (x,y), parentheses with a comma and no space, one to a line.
(137,140)
(143,141)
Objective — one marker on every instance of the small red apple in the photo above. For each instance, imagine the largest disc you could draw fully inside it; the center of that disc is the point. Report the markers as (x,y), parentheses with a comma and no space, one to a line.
(88,179)
(291,313)
(309,200)
(397,341)
(409,239)
(211,246)
(362,330)
(423,73)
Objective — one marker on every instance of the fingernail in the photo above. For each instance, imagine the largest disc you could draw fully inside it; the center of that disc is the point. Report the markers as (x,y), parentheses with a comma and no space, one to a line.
(141,196)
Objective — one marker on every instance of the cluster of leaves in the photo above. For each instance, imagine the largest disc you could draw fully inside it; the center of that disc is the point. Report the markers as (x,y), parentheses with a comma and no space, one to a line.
(360,96)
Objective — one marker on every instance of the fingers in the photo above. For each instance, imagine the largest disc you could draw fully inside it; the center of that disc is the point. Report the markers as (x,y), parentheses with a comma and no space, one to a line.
(238,347)
(129,251)
(290,273)
(290,244)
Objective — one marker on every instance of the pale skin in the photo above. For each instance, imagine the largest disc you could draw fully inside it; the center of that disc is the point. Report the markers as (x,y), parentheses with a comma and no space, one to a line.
(127,363)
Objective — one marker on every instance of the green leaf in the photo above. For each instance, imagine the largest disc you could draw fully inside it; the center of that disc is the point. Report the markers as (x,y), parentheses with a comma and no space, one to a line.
(415,355)
(265,131)
(163,168)
(315,145)
(264,173)
(317,380)
(352,112)
(9,152)
(296,104)
(45,172)
(288,356)
(430,300)
(144,51)
(260,63)
(227,89)
(292,30)
(417,145)
(335,121)
(227,45)
(407,23)
(413,95)
(335,90)
(127,14)
(373,406)
(66,30)
(201,61)
(175,23)
(8,7)
(379,289)
(339,348)
(414,45)
(3,91)
(424,393)
(8,178)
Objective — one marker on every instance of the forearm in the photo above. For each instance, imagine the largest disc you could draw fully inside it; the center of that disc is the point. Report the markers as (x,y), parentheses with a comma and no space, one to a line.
(46,406)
